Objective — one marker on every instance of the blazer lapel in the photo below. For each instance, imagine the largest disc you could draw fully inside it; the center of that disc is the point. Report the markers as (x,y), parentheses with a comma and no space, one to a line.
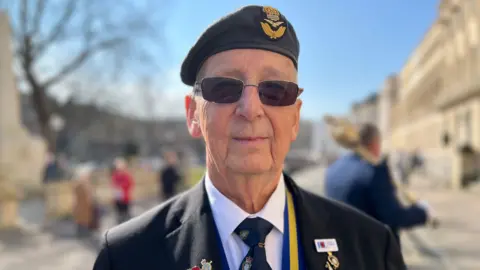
(196,238)
(312,222)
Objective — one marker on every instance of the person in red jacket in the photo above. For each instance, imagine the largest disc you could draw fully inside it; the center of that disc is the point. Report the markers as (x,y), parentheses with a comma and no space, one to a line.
(123,184)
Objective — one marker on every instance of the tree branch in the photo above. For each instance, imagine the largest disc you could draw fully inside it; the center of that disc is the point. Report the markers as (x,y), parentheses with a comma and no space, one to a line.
(37,18)
(81,58)
(58,29)
(24,18)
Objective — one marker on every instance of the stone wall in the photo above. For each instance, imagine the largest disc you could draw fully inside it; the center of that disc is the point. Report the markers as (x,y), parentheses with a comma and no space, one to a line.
(20,153)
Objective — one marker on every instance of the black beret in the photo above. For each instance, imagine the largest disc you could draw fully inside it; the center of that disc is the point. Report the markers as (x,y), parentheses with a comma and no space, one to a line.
(251,27)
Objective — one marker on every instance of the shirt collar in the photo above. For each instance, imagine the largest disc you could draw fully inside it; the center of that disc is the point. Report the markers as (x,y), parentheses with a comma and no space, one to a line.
(228,215)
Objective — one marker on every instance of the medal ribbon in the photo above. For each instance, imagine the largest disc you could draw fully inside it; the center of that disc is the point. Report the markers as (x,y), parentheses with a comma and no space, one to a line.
(292,258)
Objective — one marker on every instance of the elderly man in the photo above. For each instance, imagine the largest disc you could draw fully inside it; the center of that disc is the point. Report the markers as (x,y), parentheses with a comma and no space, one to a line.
(246,214)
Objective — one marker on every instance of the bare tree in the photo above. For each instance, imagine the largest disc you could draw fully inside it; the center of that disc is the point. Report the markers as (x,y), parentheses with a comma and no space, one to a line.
(109,33)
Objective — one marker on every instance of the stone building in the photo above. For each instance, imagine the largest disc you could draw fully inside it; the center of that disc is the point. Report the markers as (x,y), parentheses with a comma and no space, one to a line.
(365,111)
(387,97)
(435,104)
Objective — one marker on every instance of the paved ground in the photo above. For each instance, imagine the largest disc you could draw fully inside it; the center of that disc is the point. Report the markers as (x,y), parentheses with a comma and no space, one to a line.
(55,247)
(455,245)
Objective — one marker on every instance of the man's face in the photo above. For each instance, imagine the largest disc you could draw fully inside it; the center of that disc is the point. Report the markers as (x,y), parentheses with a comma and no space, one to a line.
(246,136)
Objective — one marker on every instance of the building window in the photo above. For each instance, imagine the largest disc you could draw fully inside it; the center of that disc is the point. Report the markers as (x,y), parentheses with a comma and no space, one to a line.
(468,127)
(459,129)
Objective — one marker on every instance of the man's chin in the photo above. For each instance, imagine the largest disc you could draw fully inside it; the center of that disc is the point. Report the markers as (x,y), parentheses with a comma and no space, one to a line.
(249,166)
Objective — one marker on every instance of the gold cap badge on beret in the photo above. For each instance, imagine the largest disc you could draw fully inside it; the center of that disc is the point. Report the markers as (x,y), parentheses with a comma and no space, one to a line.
(272,27)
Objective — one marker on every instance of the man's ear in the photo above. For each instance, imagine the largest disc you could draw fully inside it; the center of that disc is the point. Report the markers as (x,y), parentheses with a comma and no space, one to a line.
(192,117)
(296,119)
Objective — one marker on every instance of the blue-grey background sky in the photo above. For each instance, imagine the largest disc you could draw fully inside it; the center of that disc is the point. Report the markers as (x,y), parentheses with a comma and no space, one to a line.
(348,47)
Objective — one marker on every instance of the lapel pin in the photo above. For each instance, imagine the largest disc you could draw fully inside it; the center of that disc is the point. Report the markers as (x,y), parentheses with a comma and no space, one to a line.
(326,245)
(332,262)
(247,264)
(205,265)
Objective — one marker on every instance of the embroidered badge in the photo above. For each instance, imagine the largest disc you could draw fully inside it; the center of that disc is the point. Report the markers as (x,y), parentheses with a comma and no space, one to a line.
(272,26)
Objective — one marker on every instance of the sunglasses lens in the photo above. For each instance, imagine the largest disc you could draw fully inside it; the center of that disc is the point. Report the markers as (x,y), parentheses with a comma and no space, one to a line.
(228,90)
(221,90)
(278,93)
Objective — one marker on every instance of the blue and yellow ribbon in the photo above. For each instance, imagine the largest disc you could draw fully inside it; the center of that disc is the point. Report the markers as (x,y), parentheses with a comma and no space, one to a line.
(292,256)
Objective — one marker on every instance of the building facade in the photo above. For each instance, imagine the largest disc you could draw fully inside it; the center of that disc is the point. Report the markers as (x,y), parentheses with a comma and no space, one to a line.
(387,97)
(365,111)
(435,104)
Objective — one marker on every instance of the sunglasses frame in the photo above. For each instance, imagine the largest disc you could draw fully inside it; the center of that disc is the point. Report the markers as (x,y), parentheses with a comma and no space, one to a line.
(197,87)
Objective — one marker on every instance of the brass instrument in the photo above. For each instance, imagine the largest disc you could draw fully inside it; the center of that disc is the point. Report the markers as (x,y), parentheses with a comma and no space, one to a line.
(346,135)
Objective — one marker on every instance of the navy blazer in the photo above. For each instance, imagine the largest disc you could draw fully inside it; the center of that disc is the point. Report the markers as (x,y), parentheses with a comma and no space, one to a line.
(181,232)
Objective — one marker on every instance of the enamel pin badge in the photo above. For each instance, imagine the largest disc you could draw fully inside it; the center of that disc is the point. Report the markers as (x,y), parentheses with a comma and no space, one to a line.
(247,264)
(329,246)
(205,265)
(326,245)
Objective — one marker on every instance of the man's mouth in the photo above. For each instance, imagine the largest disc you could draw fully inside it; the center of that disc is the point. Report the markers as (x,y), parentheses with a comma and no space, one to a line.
(250,139)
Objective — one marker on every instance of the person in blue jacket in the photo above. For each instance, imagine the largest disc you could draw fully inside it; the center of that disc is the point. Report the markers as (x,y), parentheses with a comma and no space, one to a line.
(369,188)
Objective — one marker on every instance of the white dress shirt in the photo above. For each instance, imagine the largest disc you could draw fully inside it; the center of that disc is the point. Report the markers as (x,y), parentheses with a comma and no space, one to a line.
(228,216)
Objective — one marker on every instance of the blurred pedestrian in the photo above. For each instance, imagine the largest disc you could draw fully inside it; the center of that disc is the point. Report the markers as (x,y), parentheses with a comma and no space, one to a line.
(123,183)
(85,213)
(169,176)
(369,188)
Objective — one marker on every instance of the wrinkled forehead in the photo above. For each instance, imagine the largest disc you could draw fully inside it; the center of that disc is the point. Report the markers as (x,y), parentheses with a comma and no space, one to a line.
(250,64)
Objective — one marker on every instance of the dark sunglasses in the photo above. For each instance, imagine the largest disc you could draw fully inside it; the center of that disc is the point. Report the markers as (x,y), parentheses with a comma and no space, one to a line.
(229,90)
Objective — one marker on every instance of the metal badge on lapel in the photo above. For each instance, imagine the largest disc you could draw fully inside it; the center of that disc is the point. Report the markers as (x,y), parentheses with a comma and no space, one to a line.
(247,265)
(328,246)
(205,265)
(332,261)
(272,27)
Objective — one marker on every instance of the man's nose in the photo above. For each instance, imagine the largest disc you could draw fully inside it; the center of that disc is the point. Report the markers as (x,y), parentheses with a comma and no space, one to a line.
(250,106)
